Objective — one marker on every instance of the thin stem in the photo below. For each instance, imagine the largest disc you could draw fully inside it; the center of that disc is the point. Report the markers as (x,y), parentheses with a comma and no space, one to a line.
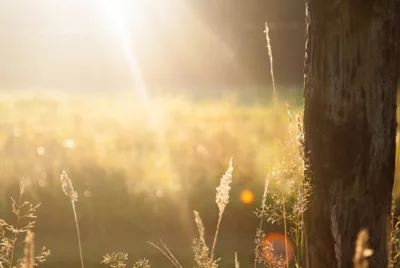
(306,246)
(216,234)
(78,233)
(177,265)
(170,253)
(285,228)
(16,227)
(304,219)
(271,61)
(301,231)
(298,241)
(305,241)
(264,200)
(261,223)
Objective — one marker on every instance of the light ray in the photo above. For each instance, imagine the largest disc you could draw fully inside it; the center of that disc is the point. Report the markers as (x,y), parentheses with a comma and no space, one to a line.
(194,32)
(124,38)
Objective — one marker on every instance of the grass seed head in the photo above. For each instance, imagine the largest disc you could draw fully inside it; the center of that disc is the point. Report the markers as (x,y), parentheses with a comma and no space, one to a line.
(68,188)
(223,189)
(200,226)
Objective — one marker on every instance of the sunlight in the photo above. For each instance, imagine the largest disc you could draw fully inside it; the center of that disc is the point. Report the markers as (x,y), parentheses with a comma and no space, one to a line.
(157,37)
(123,36)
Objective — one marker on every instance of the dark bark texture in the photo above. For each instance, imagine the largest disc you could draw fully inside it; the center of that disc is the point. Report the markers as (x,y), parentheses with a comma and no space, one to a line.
(351,69)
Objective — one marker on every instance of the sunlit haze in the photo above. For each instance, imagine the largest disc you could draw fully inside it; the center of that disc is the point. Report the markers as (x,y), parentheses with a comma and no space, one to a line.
(123,117)
(104,42)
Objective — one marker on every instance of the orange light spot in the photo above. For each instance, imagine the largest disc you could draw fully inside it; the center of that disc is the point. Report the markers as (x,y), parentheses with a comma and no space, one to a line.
(277,241)
(247,197)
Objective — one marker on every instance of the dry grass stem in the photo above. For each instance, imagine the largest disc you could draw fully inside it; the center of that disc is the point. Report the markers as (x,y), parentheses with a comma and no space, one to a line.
(261,213)
(222,199)
(285,229)
(271,60)
(69,191)
(29,252)
(237,265)
(167,253)
(200,227)
(170,253)
(11,236)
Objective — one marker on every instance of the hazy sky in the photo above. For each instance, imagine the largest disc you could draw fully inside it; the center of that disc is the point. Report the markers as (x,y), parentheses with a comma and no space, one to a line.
(87,41)
(95,43)
(50,17)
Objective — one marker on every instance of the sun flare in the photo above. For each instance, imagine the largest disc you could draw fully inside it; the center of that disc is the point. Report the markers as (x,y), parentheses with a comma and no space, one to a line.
(126,37)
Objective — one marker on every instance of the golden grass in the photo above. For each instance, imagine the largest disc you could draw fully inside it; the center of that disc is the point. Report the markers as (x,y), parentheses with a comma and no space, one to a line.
(226,122)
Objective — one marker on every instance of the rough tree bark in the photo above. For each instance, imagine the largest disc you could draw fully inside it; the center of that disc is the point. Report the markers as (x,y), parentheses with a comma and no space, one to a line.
(351,69)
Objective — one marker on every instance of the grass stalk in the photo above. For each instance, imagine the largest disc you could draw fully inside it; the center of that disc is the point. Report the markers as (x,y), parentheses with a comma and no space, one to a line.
(68,188)
(264,200)
(21,191)
(237,265)
(271,61)
(285,229)
(78,233)
(216,235)
(167,253)
(222,199)
(170,253)
(28,261)
(306,244)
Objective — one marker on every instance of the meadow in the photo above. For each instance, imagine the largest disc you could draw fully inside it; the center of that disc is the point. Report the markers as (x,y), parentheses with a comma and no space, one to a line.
(140,169)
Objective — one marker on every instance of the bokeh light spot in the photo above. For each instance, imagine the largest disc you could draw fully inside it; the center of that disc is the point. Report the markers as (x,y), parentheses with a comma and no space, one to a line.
(247,197)
(70,143)
(40,150)
(87,193)
(277,240)
(42,183)
(159,193)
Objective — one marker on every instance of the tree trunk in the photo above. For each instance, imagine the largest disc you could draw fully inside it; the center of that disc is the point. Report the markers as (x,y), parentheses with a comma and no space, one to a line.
(351,70)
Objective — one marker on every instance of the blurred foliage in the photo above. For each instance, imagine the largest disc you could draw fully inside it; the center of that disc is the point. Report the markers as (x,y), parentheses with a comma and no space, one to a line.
(140,170)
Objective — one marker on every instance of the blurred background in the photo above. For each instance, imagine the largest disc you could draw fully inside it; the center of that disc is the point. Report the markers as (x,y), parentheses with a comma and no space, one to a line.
(75,45)
(143,103)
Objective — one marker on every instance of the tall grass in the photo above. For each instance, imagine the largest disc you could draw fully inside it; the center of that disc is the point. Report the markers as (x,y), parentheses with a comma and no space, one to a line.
(288,206)
(69,191)
(29,261)
(237,264)
(284,201)
(271,61)
(289,201)
(12,236)
(222,200)
(203,258)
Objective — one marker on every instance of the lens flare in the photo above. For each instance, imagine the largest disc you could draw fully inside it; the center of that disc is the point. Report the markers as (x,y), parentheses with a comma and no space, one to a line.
(277,240)
(247,197)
